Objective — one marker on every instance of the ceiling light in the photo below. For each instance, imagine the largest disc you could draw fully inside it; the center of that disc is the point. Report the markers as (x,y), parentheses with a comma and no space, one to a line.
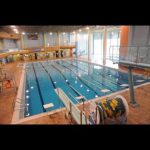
(50,33)
(15,29)
(63,33)
(13,26)
(17,32)
(23,33)
(36,33)
(87,28)
(80,30)
(74,32)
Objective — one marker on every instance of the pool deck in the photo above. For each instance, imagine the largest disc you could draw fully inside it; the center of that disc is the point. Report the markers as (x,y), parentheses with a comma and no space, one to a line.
(138,115)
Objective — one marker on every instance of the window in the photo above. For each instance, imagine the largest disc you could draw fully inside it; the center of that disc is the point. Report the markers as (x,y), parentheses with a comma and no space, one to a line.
(113,40)
(82,45)
(64,38)
(98,44)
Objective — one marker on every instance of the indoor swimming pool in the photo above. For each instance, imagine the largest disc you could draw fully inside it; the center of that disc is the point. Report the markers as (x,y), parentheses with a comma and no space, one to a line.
(76,78)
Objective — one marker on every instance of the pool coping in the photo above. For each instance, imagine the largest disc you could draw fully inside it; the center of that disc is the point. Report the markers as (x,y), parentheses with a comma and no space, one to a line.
(17,113)
(16,120)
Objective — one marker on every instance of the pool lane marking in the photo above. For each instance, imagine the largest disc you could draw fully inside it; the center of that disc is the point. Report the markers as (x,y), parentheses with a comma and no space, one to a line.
(98,82)
(80,79)
(48,75)
(38,86)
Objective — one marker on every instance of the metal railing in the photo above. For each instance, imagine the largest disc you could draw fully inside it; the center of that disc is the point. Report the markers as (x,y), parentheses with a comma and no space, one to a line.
(78,115)
(134,54)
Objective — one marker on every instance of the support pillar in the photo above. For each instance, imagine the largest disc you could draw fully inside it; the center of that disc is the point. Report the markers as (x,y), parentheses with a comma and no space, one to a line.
(58,38)
(44,39)
(22,42)
(89,51)
(133,102)
(104,45)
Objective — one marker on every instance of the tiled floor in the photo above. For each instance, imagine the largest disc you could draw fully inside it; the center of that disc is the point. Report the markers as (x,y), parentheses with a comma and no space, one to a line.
(8,95)
(139,115)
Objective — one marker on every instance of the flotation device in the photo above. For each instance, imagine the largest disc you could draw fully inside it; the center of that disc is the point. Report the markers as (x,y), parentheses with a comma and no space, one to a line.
(8,84)
(112,110)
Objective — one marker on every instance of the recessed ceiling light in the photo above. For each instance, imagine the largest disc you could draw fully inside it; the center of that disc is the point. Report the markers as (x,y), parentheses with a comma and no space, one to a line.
(15,29)
(74,32)
(23,33)
(87,28)
(17,32)
(64,33)
(13,26)
(50,33)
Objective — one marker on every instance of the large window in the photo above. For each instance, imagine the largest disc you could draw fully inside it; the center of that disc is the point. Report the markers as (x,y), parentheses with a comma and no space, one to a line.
(98,45)
(82,45)
(113,40)
(51,39)
(64,38)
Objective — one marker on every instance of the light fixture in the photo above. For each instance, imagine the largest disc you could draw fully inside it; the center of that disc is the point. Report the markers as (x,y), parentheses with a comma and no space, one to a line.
(15,30)
(96,96)
(36,33)
(64,33)
(23,33)
(50,33)
(80,30)
(27,96)
(87,28)
(74,32)
(13,26)
(27,91)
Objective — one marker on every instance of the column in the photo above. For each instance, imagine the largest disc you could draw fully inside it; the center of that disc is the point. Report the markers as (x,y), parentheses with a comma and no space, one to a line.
(58,38)
(104,45)
(44,38)
(89,50)
(22,42)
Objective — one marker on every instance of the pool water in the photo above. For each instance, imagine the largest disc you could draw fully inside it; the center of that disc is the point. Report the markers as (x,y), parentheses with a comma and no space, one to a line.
(76,78)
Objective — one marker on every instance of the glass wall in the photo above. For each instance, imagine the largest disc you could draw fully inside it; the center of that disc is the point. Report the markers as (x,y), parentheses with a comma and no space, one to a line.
(51,39)
(97,46)
(113,39)
(82,44)
(64,39)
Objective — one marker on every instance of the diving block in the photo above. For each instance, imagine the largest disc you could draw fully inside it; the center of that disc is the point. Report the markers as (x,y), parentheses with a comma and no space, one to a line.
(48,105)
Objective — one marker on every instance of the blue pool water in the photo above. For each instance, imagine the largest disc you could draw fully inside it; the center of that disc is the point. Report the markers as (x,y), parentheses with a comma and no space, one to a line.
(75,78)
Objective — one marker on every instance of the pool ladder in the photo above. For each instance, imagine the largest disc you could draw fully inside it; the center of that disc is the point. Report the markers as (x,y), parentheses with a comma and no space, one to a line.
(22,106)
